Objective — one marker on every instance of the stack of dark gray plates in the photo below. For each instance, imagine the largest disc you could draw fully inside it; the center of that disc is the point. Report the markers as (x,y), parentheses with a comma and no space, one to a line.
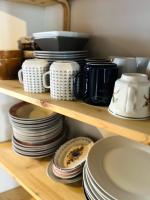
(37,132)
(51,56)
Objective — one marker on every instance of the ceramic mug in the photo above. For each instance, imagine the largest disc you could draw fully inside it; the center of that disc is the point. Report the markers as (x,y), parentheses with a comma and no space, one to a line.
(131,97)
(31,75)
(98,80)
(148,70)
(61,75)
(142,63)
(125,65)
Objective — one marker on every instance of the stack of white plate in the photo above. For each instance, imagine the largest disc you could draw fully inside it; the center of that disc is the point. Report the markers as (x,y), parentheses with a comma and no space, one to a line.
(51,56)
(117,169)
(67,165)
(37,132)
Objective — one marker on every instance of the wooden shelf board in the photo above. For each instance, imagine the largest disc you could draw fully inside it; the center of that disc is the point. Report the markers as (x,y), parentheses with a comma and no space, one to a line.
(96,116)
(35,2)
(16,194)
(31,174)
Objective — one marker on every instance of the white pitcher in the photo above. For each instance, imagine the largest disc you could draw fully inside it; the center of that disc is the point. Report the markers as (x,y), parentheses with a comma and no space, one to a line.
(131,97)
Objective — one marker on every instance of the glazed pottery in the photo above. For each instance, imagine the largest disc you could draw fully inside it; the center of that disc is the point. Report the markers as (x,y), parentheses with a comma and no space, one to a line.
(61,79)
(142,63)
(31,75)
(131,97)
(125,65)
(98,81)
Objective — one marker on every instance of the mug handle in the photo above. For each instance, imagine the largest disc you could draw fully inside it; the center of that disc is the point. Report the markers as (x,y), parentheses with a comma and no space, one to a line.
(131,100)
(75,83)
(44,79)
(20,76)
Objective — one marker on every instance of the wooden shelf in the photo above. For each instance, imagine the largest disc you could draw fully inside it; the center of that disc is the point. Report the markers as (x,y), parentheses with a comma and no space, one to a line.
(16,194)
(35,2)
(96,116)
(31,174)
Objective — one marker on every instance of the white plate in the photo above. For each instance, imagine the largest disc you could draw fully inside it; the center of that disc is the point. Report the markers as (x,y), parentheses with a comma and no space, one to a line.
(121,168)
(95,190)
(88,189)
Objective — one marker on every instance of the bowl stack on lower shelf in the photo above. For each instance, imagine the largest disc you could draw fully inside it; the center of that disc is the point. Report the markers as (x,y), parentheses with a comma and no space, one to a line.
(37,132)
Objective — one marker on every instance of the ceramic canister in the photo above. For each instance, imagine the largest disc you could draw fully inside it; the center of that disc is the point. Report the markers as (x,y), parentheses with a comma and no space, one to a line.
(31,75)
(142,63)
(125,65)
(131,97)
(61,75)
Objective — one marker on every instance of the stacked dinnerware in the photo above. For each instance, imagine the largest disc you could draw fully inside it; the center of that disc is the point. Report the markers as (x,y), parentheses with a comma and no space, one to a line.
(69,159)
(51,56)
(117,169)
(37,132)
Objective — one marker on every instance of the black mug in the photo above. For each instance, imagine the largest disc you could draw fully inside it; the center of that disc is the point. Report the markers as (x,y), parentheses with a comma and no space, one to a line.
(98,81)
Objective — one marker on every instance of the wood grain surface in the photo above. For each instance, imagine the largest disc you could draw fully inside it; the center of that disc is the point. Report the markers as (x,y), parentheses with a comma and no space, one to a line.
(16,194)
(31,174)
(93,115)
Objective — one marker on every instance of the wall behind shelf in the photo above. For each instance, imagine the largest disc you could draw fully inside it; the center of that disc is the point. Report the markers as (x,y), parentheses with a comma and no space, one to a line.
(118,27)
(18,20)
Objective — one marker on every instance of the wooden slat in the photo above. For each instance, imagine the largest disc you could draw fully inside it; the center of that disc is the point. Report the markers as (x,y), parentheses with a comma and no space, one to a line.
(31,174)
(96,116)
(35,2)
(16,194)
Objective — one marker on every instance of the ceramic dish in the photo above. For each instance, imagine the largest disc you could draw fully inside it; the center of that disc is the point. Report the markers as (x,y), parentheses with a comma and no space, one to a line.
(73,153)
(65,181)
(61,40)
(27,111)
(111,164)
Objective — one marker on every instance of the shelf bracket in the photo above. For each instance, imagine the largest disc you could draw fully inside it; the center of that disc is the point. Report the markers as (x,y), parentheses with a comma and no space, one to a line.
(67,14)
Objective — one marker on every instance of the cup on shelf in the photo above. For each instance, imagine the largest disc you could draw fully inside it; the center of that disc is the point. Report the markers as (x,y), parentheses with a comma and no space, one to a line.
(31,75)
(131,97)
(148,70)
(61,75)
(98,80)
(142,63)
(125,65)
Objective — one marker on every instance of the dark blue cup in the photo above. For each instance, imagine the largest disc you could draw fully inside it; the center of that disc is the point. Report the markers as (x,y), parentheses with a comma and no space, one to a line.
(98,81)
